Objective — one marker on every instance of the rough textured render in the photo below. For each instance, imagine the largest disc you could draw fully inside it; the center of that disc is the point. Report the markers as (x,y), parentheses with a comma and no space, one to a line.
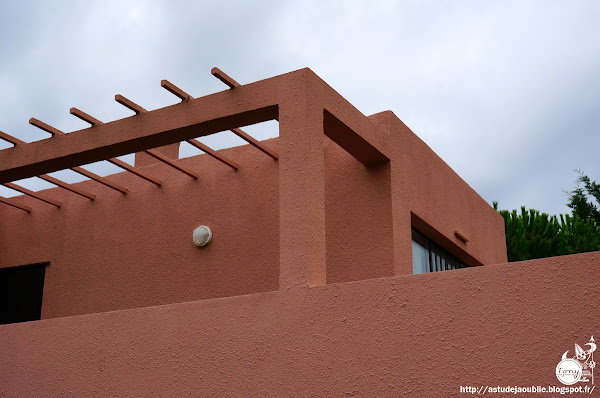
(306,288)
(414,336)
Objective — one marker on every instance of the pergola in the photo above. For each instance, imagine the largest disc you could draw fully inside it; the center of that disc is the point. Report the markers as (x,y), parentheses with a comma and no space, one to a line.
(305,107)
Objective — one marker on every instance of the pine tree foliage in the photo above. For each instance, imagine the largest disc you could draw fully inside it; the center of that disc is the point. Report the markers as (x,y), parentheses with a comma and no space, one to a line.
(579,235)
(580,201)
(531,234)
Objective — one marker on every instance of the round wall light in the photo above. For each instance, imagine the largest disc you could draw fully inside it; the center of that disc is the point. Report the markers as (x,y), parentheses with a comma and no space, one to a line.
(202,236)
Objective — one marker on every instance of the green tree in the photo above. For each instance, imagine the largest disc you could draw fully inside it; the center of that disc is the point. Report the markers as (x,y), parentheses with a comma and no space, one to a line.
(531,234)
(579,199)
(578,235)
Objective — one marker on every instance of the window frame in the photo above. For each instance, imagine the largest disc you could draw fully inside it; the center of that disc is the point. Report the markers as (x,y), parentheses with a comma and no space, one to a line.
(438,259)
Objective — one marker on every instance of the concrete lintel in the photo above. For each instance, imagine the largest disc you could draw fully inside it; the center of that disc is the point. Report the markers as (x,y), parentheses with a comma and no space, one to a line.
(348,127)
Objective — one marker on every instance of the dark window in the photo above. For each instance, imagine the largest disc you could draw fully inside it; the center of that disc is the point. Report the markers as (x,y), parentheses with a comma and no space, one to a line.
(21,291)
(429,257)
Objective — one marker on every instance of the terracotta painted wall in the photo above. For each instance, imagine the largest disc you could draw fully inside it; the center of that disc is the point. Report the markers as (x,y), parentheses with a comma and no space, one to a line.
(136,250)
(431,197)
(414,335)
(358,218)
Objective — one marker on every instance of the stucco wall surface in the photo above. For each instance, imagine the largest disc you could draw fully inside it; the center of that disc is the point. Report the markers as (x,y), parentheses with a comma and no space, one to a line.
(136,250)
(418,336)
(437,201)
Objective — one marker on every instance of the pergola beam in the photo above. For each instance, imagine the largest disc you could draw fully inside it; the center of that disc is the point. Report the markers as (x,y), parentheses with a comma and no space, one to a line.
(43,126)
(9,138)
(224,77)
(15,204)
(15,141)
(306,108)
(68,187)
(149,130)
(139,109)
(211,152)
(127,167)
(101,180)
(56,132)
(33,194)
(155,154)
(176,91)
(129,104)
(159,156)
(85,117)
(349,128)
(255,143)
(117,162)
(248,104)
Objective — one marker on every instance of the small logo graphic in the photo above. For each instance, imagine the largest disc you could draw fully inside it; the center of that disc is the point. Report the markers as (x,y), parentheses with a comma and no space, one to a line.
(579,368)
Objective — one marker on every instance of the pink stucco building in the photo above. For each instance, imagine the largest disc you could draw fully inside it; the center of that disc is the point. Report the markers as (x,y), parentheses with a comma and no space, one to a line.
(308,286)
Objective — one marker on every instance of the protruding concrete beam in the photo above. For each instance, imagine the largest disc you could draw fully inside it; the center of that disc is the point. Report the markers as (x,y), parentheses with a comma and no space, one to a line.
(154,153)
(255,143)
(33,194)
(102,180)
(56,132)
(348,127)
(352,142)
(461,236)
(15,204)
(222,76)
(117,162)
(173,89)
(248,104)
(84,116)
(68,187)
(9,138)
(129,104)
(55,181)
(135,171)
(159,156)
(213,153)
(43,126)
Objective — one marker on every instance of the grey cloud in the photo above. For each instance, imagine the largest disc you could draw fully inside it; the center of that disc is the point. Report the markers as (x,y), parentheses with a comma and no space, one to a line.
(505,91)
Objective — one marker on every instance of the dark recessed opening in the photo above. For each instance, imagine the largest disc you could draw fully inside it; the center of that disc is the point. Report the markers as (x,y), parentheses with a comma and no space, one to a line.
(429,257)
(21,290)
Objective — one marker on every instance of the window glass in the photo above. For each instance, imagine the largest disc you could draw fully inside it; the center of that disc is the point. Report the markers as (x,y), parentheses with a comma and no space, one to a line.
(429,257)
(420,259)
(420,255)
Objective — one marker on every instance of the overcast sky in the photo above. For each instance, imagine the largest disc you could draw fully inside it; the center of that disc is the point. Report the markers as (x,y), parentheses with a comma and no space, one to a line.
(506,92)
